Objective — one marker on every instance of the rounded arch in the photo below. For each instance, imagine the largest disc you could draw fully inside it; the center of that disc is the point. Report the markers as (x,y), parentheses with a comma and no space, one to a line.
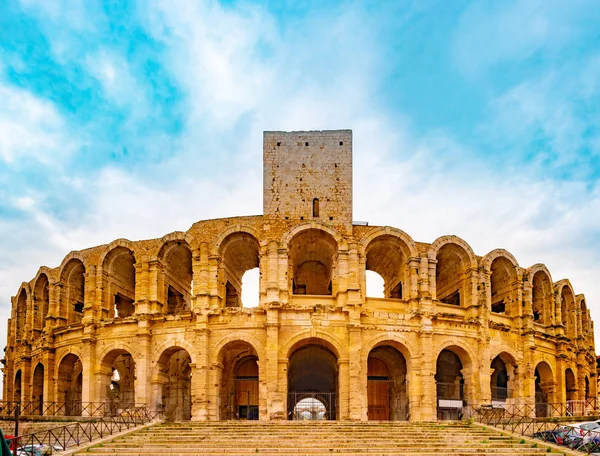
(41,300)
(172,345)
(244,337)
(239,252)
(298,229)
(462,350)
(507,355)
(406,243)
(468,255)
(308,337)
(566,294)
(121,242)
(393,340)
(177,236)
(220,238)
(45,270)
(387,253)
(504,275)
(115,346)
(454,261)
(117,378)
(22,304)
(312,262)
(72,299)
(584,317)
(545,369)
(75,255)
(542,294)
(118,265)
(488,259)
(69,382)
(176,259)
(172,375)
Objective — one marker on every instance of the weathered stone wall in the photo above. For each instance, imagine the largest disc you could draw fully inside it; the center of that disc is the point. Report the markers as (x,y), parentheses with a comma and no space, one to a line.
(166,314)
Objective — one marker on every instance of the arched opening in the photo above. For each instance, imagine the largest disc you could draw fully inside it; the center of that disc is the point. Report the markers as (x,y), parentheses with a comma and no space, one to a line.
(313,374)
(313,263)
(175,377)
(567,310)
(118,380)
(376,285)
(21,315)
(386,257)
(450,386)
(544,389)
(73,292)
(238,392)
(386,384)
(587,388)
(251,288)
(69,385)
(502,286)
(310,409)
(240,253)
(451,276)
(37,390)
(41,302)
(499,379)
(542,297)
(119,290)
(176,257)
(585,324)
(18,388)
(570,385)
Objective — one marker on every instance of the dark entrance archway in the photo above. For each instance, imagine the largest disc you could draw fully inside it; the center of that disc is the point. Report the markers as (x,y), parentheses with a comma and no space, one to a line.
(312,383)
(386,384)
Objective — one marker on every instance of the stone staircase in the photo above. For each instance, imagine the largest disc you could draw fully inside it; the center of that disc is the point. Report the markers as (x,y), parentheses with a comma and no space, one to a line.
(316,438)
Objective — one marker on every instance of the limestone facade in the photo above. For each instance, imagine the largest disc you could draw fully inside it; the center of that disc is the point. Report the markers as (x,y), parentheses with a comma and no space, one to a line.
(161,321)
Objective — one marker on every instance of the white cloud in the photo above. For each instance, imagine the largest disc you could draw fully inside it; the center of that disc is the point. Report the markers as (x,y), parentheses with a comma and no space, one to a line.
(31,127)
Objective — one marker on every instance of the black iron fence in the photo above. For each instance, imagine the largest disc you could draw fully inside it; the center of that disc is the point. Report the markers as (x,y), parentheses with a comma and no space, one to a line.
(311,406)
(69,408)
(526,420)
(61,438)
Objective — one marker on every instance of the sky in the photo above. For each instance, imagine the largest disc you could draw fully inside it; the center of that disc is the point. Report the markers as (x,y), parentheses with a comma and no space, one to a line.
(136,119)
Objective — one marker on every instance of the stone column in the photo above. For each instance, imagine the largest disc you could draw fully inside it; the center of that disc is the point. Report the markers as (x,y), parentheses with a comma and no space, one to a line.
(356,374)
(272,403)
(143,372)
(200,374)
(344,388)
(422,389)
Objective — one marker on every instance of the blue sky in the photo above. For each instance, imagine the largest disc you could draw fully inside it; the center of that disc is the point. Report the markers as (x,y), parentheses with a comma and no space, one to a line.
(135,119)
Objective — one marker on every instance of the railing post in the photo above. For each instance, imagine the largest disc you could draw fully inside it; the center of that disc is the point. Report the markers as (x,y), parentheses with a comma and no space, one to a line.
(17,416)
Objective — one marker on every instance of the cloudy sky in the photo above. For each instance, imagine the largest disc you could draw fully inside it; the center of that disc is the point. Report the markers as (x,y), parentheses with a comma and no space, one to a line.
(135,119)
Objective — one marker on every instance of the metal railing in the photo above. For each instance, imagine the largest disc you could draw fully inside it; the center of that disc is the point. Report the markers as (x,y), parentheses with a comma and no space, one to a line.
(61,438)
(311,406)
(69,408)
(527,421)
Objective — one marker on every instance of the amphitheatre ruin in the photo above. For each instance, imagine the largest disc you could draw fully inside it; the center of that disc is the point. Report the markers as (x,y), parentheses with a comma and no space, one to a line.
(161,322)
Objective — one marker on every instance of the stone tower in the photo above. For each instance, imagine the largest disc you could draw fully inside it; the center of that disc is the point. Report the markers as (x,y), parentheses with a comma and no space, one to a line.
(308,176)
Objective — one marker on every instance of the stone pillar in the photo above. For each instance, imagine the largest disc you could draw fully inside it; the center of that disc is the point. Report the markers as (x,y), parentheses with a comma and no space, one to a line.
(88,361)
(422,387)
(344,388)
(483,376)
(214,384)
(48,362)
(142,286)
(143,364)
(214,262)
(272,403)
(200,374)
(355,409)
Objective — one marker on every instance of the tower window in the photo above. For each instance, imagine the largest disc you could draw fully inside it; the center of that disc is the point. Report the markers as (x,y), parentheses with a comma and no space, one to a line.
(306,144)
(316,207)
(278,144)
(341,143)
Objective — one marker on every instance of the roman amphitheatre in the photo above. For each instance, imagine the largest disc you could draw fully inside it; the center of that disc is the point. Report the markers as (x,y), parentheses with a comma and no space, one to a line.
(161,322)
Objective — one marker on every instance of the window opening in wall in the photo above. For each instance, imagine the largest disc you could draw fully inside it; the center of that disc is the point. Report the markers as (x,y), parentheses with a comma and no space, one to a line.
(124,306)
(536,315)
(251,287)
(330,218)
(396,292)
(375,285)
(175,301)
(306,144)
(453,299)
(232,299)
(499,307)
(315,207)
(78,307)
(341,143)
(278,144)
